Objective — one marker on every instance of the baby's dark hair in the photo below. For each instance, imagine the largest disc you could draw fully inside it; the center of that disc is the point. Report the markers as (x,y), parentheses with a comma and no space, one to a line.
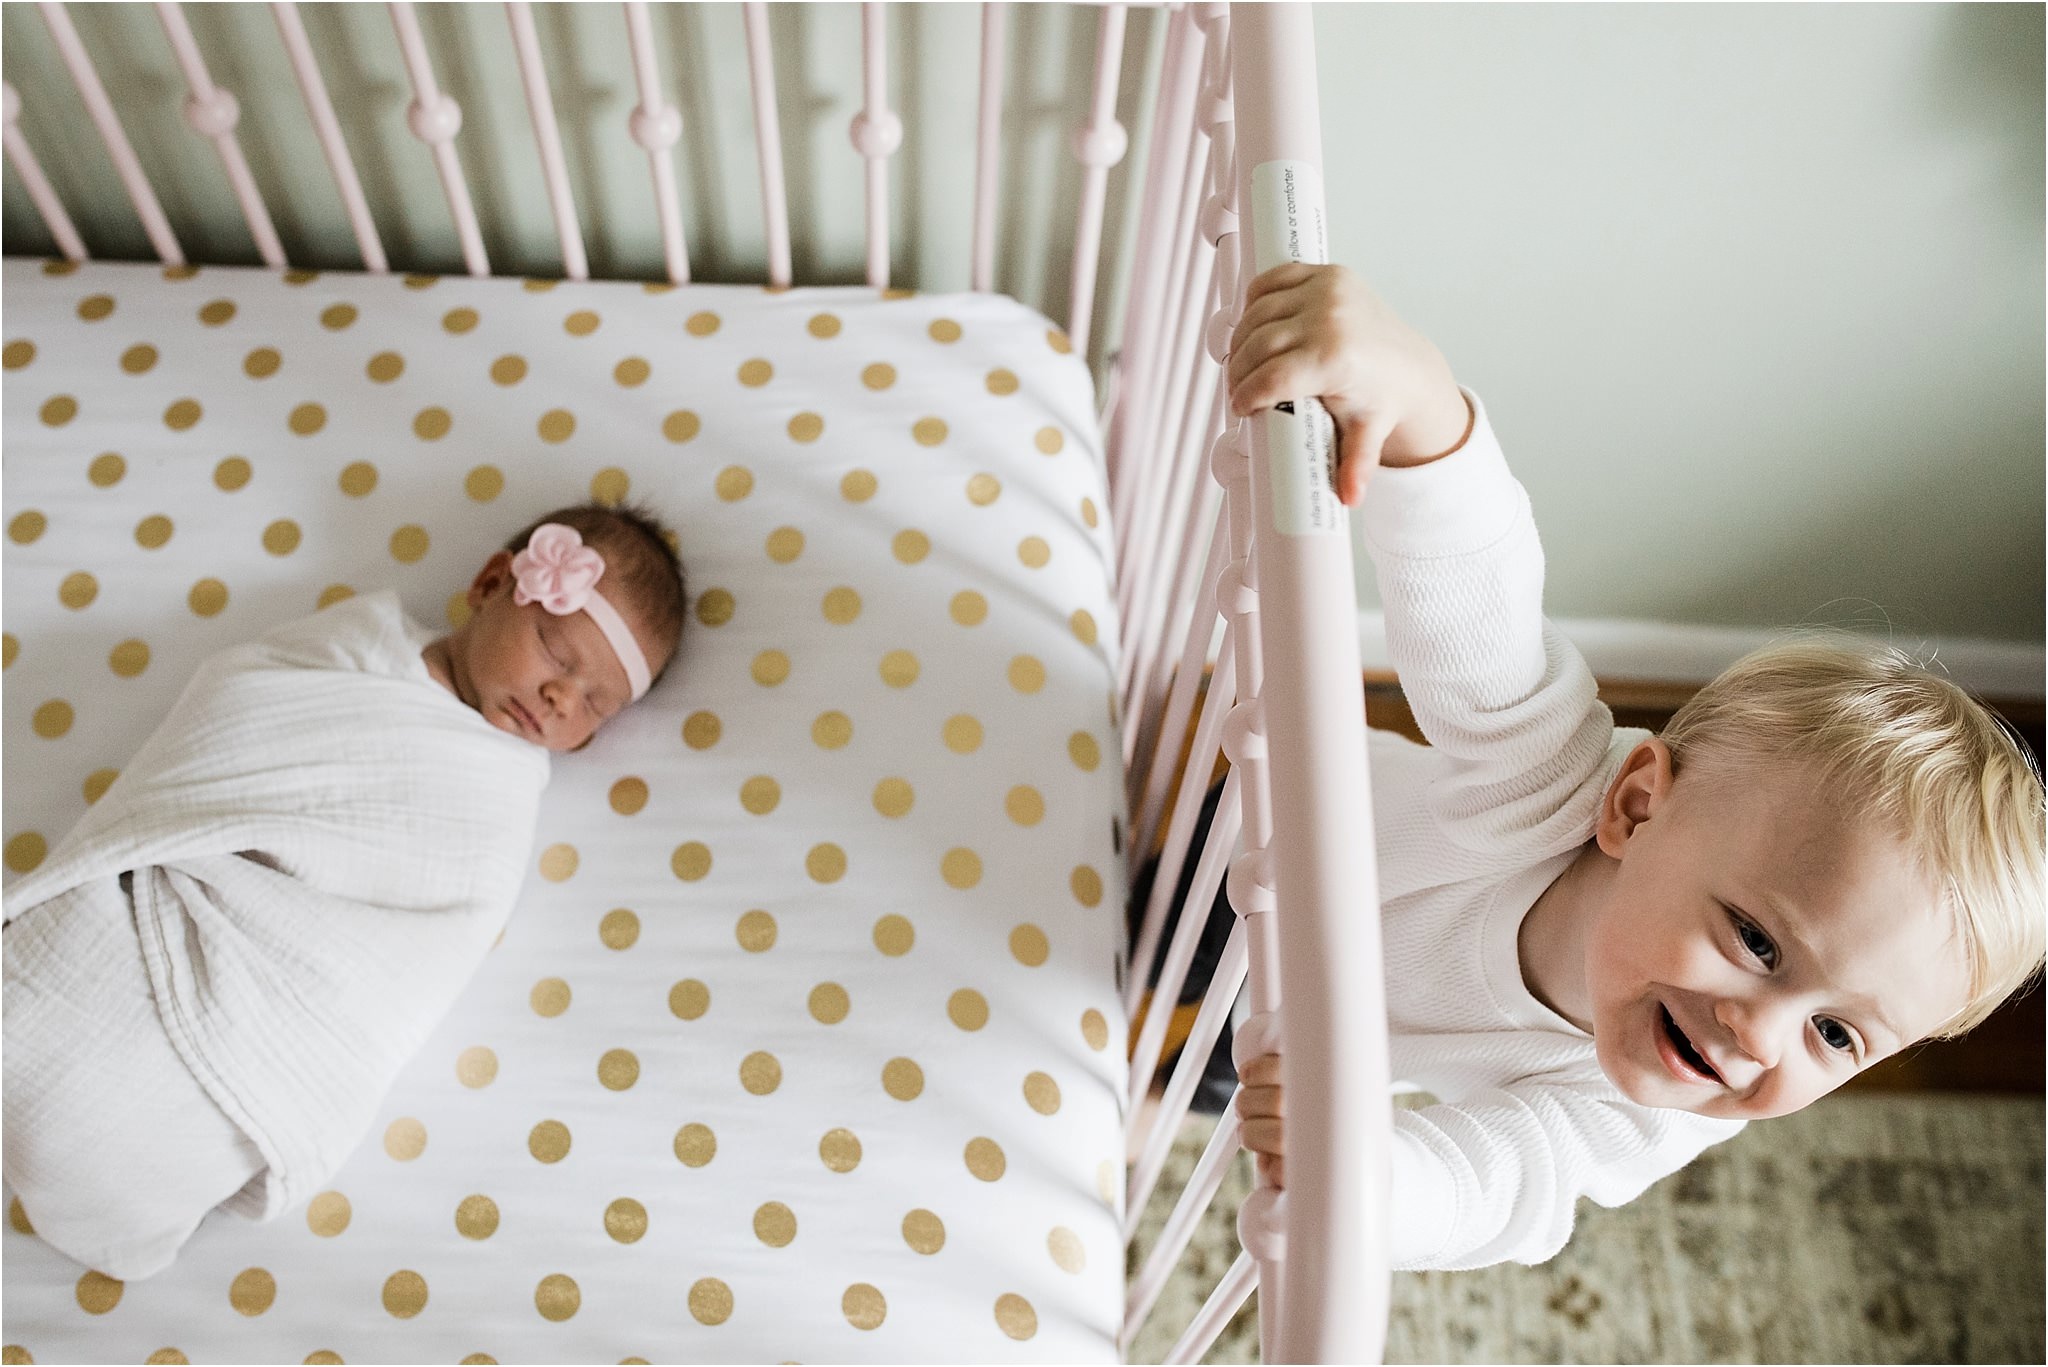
(640,554)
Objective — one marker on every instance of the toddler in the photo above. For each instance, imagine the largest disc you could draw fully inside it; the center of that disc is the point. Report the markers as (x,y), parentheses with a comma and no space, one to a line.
(1607,950)
(214,978)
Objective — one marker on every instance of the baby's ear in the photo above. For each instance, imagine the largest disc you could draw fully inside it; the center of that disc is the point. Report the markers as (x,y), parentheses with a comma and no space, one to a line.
(495,574)
(1635,794)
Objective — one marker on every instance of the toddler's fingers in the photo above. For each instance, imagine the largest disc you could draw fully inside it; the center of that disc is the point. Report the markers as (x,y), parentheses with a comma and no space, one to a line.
(1265,1136)
(1254,1103)
(1252,347)
(1289,375)
(1286,275)
(1358,455)
(1261,1071)
(1273,1169)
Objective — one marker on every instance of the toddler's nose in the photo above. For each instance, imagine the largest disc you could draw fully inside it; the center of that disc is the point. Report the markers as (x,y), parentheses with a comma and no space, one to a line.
(1752,1029)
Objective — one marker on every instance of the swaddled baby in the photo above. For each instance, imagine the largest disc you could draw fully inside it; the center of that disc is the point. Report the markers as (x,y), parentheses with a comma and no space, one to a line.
(215,977)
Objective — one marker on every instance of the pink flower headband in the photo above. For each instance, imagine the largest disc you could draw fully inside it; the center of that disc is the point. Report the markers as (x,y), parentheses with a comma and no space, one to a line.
(560,573)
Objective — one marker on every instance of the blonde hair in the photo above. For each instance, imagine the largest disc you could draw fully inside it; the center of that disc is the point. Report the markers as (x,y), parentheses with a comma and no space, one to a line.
(1891,742)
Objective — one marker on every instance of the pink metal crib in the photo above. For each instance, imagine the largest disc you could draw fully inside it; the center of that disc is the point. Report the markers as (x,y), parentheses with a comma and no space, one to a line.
(1210,517)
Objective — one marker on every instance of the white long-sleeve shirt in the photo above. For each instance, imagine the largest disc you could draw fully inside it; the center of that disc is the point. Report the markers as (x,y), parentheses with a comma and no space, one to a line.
(1471,829)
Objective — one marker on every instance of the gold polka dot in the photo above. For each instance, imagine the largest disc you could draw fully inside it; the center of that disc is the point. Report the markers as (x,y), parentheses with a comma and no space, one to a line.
(385,367)
(618,1069)
(405,1294)
(325,1356)
(106,470)
(689,999)
(1066,1250)
(1027,673)
(911,546)
(557,1297)
(9,648)
(538,286)
(899,669)
(17,354)
(255,1291)
(944,330)
(632,371)
(715,607)
(755,931)
(358,479)
(26,851)
(457,611)
(581,323)
(1083,750)
(806,427)
(62,409)
(307,419)
(840,1150)
(894,935)
(864,1306)
(1029,946)
(17,1218)
(94,307)
(756,373)
(328,1214)
(218,312)
(924,1231)
(984,489)
(261,363)
(26,527)
(335,317)
(710,1301)
(735,482)
(985,1159)
(1083,625)
(1094,1029)
(1024,805)
(628,796)
(962,734)
(760,1072)
(476,1067)
(508,369)
(625,1220)
(419,280)
(770,668)
(476,1217)
(893,797)
(97,782)
(281,537)
(967,1009)
(1087,886)
(549,1141)
(1033,551)
(182,415)
(858,486)
(167,1355)
(696,1145)
(928,431)
(550,997)
(760,794)
(557,425)
(829,1003)
(53,719)
(961,867)
(1051,441)
(880,375)
(826,863)
(774,1224)
(841,605)
(691,860)
(405,1139)
(969,608)
(824,325)
(1015,1316)
(558,862)
(138,359)
(432,423)
(1088,514)
(902,1079)
(1041,1093)
(1001,382)
(409,543)
(619,929)
(473,1360)
(97,1294)
(153,532)
(610,486)
(230,475)
(701,730)
(78,590)
(701,324)
(71,267)
(459,321)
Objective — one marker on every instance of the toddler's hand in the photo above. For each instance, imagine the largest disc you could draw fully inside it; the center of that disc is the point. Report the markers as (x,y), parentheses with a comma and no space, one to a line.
(1320,331)
(1264,1112)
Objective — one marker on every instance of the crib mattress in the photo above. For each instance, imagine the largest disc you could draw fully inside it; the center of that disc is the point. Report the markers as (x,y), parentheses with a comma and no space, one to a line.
(798,1045)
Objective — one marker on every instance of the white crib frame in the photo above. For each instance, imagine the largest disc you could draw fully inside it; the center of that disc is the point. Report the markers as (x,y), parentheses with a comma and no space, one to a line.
(1236,90)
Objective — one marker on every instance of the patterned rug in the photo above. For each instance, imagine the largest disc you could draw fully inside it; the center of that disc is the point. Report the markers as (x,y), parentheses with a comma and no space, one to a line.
(1868,1228)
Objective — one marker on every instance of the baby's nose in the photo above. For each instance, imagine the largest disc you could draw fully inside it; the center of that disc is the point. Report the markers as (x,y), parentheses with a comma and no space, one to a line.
(1752,1029)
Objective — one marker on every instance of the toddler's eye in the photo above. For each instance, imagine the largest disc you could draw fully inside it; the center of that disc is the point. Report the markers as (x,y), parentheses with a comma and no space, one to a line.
(1834,1034)
(1756,942)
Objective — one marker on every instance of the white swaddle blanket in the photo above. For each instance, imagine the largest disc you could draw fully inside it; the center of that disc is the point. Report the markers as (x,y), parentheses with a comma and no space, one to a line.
(324,842)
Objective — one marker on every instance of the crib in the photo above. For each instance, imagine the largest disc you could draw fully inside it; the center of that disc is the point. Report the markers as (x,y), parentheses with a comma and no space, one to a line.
(808,1037)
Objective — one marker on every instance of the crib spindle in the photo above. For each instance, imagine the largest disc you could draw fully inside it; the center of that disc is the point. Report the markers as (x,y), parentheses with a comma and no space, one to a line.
(877,132)
(83,75)
(1098,145)
(985,150)
(293,30)
(213,113)
(657,126)
(39,191)
(768,137)
(533,74)
(435,119)
(1197,638)
(1225,1301)
(1203,1184)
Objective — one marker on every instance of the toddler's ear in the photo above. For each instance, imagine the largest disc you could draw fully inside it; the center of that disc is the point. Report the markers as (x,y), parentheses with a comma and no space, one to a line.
(1635,794)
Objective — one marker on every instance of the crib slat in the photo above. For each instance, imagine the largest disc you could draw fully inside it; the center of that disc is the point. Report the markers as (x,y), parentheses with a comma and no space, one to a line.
(1202,1186)
(1099,145)
(101,108)
(993,17)
(877,132)
(540,103)
(768,136)
(435,119)
(1229,1296)
(307,70)
(213,113)
(1196,645)
(39,191)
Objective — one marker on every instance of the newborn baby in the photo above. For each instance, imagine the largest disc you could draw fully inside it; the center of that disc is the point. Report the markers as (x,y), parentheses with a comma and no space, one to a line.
(215,977)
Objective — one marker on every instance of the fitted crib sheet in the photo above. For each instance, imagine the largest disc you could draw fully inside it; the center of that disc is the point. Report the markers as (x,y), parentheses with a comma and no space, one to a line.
(798,1045)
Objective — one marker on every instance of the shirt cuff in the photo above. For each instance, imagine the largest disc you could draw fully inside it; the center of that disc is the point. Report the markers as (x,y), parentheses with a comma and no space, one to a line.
(1455,504)
(1422,1204)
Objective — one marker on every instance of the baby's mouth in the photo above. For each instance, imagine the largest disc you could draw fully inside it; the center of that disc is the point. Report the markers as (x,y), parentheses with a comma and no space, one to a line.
(1679,1041)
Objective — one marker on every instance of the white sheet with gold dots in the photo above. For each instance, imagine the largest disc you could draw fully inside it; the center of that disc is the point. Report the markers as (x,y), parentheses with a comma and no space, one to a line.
(798,1046)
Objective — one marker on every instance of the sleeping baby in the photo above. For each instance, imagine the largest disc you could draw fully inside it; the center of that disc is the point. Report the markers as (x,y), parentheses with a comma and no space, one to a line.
(215,977)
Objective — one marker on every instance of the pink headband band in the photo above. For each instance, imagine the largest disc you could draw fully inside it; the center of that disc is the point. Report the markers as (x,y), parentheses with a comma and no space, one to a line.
(560,573)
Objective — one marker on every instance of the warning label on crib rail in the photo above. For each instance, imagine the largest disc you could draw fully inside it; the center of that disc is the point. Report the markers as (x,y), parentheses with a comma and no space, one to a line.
(1301,440)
